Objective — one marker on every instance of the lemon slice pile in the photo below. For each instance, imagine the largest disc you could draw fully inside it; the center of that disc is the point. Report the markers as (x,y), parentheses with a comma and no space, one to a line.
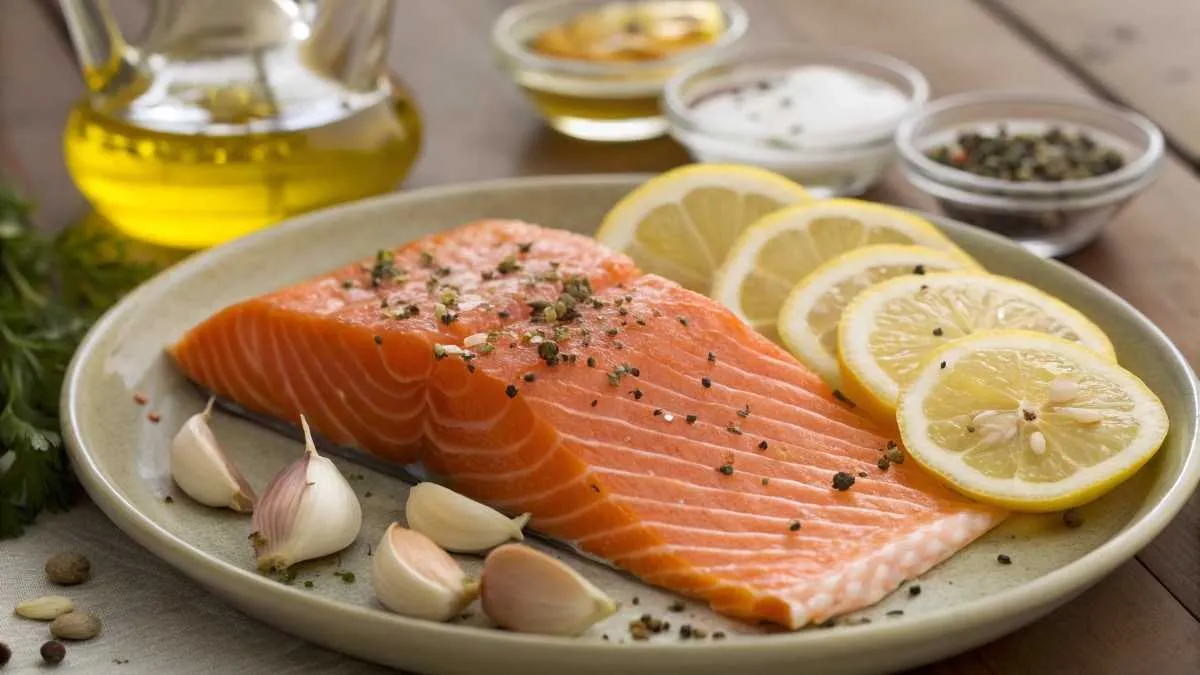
(809,319)
(1006,393)
(682,223)
(890,328)
(1027,420)
(777,252)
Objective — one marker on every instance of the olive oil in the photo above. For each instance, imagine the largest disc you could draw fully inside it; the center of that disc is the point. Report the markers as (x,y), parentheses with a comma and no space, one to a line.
(192,190)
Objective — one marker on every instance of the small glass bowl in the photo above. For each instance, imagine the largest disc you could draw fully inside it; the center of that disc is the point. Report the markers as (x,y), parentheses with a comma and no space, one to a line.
(827,164)
(596,101)
(1050,219)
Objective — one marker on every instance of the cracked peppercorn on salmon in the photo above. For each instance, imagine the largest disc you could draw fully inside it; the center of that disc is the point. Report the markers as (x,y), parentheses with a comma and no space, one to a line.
(636,420)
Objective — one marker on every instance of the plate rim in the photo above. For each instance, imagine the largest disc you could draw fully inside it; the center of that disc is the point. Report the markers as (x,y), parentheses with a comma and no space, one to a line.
(1043,592)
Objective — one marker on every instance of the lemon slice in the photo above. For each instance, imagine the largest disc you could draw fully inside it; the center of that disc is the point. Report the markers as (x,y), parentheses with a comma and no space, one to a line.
(681,224)
(775,253)
(809,319)
(889,328)
(1028,421)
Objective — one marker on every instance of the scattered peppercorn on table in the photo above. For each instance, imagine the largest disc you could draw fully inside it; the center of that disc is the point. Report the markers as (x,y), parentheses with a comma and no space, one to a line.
(1143,618)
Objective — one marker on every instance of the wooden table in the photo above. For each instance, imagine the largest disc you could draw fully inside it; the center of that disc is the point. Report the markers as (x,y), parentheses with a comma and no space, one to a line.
(1145,618)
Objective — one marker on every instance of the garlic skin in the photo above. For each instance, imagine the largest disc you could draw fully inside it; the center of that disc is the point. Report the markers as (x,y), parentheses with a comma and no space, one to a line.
(309,510)
(530,592)
(200,467)
(413,577)
(458,523)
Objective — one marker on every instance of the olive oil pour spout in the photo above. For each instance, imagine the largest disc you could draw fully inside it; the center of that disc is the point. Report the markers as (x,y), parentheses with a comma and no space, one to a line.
(99,46)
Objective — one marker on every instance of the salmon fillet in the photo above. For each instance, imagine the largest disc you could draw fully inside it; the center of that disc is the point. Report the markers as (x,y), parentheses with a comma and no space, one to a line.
(352,349)
(636,420)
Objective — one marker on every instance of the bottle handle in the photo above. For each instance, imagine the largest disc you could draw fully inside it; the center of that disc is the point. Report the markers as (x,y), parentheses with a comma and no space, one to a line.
(99,46)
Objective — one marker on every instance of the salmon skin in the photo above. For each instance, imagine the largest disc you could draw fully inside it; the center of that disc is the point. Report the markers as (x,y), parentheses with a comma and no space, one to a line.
(637,421)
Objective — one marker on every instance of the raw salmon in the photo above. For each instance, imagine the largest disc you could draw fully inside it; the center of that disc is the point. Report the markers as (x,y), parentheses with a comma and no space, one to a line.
(636,420)
(352,349)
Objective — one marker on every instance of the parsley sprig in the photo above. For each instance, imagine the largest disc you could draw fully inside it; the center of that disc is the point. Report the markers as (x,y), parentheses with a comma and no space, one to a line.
(51,290)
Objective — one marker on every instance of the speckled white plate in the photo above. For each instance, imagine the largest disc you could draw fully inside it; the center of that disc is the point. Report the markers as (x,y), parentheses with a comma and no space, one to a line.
(121,459)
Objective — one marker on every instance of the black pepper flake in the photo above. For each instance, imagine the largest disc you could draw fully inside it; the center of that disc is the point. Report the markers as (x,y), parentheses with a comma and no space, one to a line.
(937,332)
(862,474)
(837,394)
(618,345)
(762,445)
(970,428)
(637,394)
(683,320)
(548,352)
(636,601)
(595,403)
(1071,518)
(591,362)
(525,247)
(706,383)
(1003,559)
(766,481)
(842,481)
(712,358)
(794,526)
(919,269)
(745,411)
(676,606)
(347,284)
(529,377)
(612,332)
(734,429)
(511,391)
(883,463)
(487,275)
(896,612)
(691,419)
(658,411)
(893,454)
(914,590)
(503,314)
(378,339)
(726,469)
(508,265)
(718,635)
(634,371)
(640,321)
(1029,415)
(942,365)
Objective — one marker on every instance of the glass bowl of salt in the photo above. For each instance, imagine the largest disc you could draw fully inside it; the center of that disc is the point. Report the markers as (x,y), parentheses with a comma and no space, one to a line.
(824,116)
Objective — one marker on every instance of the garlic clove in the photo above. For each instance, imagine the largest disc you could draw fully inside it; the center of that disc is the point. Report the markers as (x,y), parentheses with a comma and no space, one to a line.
(200,467)
(413,577)
(458,523)
(309,510)
(530,592)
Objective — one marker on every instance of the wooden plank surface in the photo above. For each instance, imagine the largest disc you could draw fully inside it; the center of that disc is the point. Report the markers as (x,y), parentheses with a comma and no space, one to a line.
(1145,53)
(479,126)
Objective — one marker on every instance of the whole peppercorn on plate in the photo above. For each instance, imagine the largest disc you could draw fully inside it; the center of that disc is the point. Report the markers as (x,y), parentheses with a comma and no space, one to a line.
(773,498)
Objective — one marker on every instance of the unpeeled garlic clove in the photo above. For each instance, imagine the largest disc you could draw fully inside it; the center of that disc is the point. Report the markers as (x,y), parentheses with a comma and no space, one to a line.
(309,510)
(458,523)
(530,592)
(200,467)
(413,577)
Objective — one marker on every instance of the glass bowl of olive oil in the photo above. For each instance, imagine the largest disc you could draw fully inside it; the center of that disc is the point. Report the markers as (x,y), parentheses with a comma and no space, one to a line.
(595,69)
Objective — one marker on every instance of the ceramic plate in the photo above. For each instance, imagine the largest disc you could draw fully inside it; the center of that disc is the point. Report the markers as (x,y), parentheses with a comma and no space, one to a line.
(120,457)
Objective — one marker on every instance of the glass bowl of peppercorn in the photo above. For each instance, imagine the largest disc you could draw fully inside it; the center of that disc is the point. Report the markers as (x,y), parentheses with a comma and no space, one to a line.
(1046,171)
